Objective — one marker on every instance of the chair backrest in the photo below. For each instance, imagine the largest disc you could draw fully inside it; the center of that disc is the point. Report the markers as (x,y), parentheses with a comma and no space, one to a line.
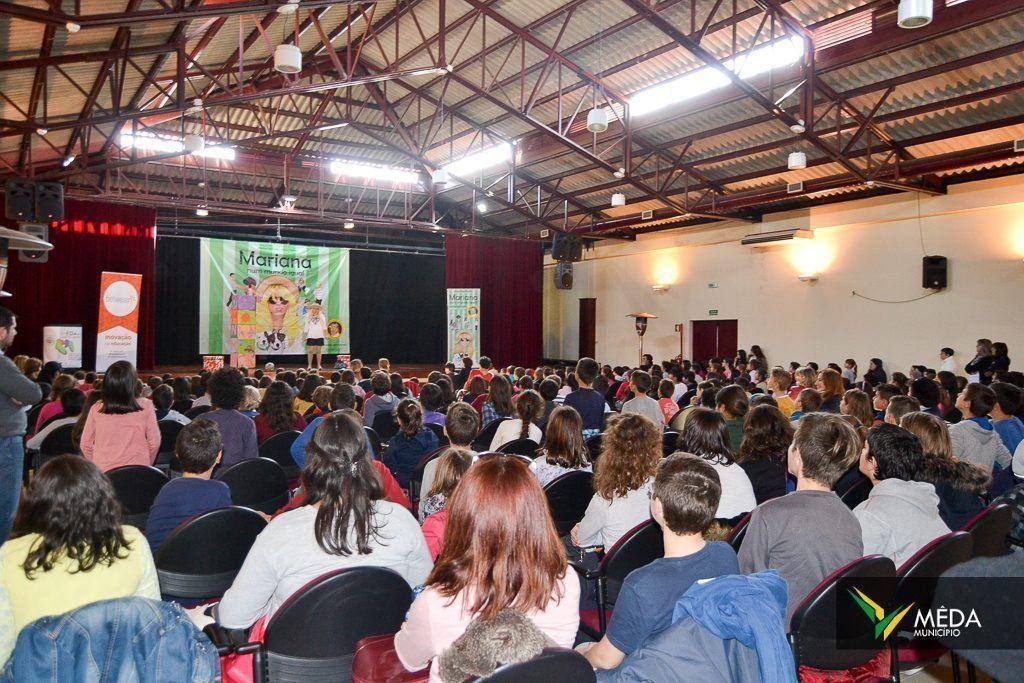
(857,493)
(989,530)
(196,411)
(385,424)
(169,430)
(638,547)
(669,441)
(568,496)
(594,447)
(438,430)
(527,447)
(199,559)
(313,635)
(930,562)
(375,443)
(33,413)
(136,487)
(416,478)
(257,483)
(735,537)
(553,664)
(813,626)
(58,442)
(279,449)
(482,442)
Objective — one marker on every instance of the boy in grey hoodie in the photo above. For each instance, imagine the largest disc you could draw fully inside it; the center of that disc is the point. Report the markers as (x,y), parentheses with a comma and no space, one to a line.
(974,439)
(900,516)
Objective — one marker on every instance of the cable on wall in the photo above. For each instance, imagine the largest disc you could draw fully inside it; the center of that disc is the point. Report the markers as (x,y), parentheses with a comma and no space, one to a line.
(898,301)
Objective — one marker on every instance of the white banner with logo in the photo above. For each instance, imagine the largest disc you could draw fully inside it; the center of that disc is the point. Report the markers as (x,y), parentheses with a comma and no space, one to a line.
(63,343)
(118,338)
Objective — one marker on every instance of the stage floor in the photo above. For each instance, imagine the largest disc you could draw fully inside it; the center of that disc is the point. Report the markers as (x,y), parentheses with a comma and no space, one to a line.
(406,371)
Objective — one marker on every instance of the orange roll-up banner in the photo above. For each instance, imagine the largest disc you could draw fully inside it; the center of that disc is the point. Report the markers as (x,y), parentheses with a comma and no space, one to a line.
(118,337)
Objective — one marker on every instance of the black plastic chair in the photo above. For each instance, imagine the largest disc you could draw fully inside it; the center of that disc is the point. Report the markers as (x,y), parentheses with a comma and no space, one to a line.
(594,447)
(136,487)
(33,413)
(638,547)
(313,635)
(553,664)
(669,441)
(483,440)
(169,430)
(989,530)
(385,424)
(199,560)
(416,478)
(257,483)
(182,406)
(438,430)
(193,413)
(929,562)
(279,449)
(813,627)
(857,493)
(57,442)
(376,446)
(735,537)
(568,496)
(525,447)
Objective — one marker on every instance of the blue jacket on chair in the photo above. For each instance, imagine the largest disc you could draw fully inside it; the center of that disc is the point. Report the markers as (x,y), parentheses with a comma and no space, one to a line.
(128,639)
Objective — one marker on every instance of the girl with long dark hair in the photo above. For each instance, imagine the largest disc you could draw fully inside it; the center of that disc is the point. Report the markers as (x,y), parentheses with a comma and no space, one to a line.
(277,413)
(499,401)
(529,410)
(121,429)
(767,433)
(707,436)
(346,523)
(411,443)
(564,448)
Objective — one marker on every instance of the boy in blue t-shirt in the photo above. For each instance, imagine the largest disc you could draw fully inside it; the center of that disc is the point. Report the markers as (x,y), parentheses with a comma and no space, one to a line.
(198,450)
(588,403)
(683,502)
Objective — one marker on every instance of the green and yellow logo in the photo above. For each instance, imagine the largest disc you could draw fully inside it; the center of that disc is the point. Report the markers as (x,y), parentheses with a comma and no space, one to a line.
(884,623)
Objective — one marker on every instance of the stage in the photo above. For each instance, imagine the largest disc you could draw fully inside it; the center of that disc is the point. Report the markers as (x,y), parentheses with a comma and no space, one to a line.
(406,371)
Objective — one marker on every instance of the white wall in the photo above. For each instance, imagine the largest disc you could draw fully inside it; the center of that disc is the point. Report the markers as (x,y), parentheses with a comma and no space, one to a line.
(873,247)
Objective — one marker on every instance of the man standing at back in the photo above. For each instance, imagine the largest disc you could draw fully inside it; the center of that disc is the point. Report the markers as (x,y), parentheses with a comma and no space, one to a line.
(17,393)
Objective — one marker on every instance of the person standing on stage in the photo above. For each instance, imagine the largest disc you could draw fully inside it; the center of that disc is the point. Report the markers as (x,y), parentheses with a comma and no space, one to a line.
(315,329)
(17,393)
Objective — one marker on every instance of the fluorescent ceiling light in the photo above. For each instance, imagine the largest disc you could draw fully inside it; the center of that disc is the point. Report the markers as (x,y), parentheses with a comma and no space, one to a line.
(485,158)
(362,170)
(768,57)
(170,144)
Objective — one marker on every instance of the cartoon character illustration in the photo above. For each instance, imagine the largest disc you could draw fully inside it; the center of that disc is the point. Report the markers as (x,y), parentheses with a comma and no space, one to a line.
(276,313)
(250,286)
(464,344)
(334,329)
(300,282)
(319,293)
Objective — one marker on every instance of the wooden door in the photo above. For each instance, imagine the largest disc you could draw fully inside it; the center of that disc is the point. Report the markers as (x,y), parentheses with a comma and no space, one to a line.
(714,339)
(588,328)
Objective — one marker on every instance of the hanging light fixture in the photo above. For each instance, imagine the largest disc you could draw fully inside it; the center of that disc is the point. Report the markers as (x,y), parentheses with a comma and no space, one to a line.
(618,199)
(348,225)
(914,13)
(797,161)
(597,120)
(287,59)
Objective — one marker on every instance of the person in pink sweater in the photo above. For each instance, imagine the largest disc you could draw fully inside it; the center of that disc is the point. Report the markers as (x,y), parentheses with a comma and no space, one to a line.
(121,428)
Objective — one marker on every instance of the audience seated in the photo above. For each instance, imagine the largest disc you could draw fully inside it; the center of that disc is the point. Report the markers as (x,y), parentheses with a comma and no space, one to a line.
(640,384)
(564,448)
(779,382)
(767,433)
(706,436)
(589,403)
(52,408)
(432,399)
(901,515)
(733,404)
(237,432)
(630,451)
(1004,415)
(69,549)
(899,406)
(345,523)
(381,400)
(807,534)
(830,386)
(529,409)
(163,400)
(251,399)
(342,398)
(500,552)
(684,500)
(498,403)
(974,438)
(72,403)
(121,428)
(411,443)
(277,413)
(198,450)
(461,426)
(452,465)
(856,403)
(807,401)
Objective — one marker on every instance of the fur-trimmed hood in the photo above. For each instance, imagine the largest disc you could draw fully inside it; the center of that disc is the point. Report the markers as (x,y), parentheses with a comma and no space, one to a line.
(508,638)
(957,474)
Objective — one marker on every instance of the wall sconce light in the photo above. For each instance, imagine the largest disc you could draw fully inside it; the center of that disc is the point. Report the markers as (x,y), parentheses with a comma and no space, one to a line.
(810,278)
(660,289)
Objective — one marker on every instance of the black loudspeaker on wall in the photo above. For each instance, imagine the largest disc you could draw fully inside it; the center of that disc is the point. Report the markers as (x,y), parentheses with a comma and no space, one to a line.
(563,276)
(933,272)
(40,230)
(566,247)
(25,200)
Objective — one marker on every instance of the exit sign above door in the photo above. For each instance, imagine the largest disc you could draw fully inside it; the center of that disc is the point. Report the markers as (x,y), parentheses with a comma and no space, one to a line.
(712,311)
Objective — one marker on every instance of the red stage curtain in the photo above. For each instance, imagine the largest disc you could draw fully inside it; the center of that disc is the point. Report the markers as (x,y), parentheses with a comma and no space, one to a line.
(508,274)
(93,237)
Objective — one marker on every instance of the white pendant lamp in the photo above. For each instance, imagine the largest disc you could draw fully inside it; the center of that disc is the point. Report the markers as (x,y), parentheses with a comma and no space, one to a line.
(914,13)
(618,199)
(796,161)
(287,59)
(597,120)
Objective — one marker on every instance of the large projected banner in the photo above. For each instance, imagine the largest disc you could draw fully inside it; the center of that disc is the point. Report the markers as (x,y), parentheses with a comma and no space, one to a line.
(256,294)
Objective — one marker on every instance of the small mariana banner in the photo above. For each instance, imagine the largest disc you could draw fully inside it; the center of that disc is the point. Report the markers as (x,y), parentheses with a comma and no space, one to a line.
(254,296)
(463,325)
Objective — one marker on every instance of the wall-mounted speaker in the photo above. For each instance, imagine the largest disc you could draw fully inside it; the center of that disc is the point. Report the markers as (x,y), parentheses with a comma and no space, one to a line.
(49,202)
(40,230)
(563,276)
(933,272)
(20,200)
(566,247)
